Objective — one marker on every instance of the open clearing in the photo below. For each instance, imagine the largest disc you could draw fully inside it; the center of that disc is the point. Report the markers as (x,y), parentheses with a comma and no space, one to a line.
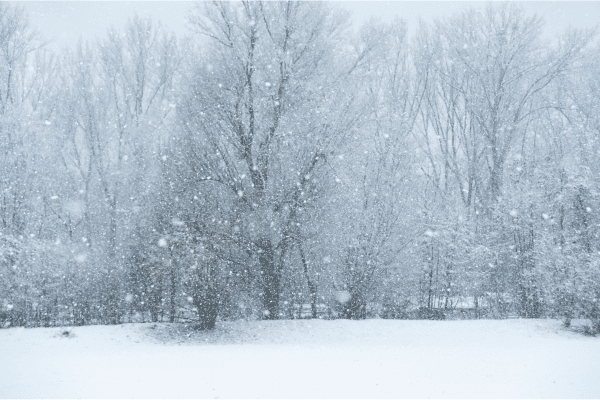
(306,359)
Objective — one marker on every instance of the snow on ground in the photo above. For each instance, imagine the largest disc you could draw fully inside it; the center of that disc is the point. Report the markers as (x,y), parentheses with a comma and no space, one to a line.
(306,359)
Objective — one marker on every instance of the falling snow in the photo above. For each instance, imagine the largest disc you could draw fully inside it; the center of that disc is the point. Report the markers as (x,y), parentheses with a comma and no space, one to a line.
(285,177)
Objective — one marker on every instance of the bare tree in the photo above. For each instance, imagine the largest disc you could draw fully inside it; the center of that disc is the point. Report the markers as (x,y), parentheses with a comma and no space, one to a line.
(376,173)
(265,111)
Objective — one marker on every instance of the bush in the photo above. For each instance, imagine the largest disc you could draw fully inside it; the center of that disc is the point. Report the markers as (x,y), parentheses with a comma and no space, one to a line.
(431,313)
(396,310)
(351,306)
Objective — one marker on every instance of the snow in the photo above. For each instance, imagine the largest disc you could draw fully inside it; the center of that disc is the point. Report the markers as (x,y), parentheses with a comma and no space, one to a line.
(306,359)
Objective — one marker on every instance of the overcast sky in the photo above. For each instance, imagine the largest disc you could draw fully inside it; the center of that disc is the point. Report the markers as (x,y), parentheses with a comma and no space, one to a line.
(65,22)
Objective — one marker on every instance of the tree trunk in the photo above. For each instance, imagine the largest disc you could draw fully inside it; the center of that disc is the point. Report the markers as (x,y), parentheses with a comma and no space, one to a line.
(270,279)
(207,304)
(172,308)
(311,286)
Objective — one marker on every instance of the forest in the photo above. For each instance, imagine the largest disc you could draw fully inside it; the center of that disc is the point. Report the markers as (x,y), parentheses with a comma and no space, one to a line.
(280,163)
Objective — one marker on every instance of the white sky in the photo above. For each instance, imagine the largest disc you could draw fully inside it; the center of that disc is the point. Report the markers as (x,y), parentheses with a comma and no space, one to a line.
(65,22)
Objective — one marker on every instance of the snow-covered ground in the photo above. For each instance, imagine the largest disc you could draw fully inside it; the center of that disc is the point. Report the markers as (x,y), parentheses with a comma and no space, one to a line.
(307,359)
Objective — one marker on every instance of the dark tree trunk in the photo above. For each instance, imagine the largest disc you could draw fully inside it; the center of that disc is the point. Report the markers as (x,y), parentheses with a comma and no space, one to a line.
(311,286)
(172,308)
(270,279)
(208,308)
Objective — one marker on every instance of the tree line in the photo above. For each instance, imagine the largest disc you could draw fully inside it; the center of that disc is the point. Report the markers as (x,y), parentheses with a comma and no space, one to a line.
(280,163)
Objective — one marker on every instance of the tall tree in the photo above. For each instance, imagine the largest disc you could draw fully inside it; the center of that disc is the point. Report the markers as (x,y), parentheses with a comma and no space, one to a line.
(265,111)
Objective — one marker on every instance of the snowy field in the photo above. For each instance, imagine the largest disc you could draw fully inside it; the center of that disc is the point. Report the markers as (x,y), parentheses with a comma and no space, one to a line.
(306,359)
